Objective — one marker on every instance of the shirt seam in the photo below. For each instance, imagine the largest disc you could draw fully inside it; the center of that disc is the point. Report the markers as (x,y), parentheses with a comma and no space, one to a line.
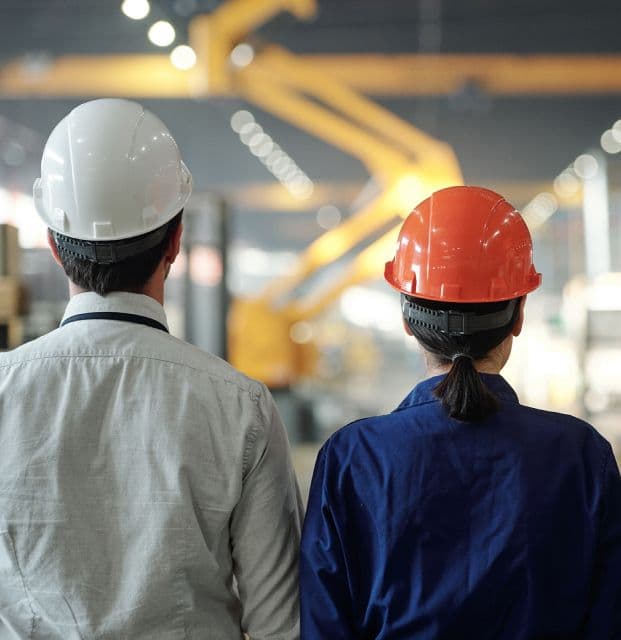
(251,440)
(253,394)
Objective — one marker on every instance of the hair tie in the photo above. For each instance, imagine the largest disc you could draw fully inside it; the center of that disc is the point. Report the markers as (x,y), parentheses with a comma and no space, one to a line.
(461,355)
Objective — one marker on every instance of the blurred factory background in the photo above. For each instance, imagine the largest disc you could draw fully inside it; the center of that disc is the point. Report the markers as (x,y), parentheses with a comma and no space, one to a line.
(311,128)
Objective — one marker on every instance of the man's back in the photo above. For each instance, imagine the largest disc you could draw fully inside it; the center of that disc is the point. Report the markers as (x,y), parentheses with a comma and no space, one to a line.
(137,474)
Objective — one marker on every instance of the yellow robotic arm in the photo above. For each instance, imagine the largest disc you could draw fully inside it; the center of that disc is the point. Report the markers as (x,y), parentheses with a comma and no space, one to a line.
(406,163)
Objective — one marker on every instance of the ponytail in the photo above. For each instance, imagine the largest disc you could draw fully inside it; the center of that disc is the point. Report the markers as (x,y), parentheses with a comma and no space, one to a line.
(462,391)
(463,394)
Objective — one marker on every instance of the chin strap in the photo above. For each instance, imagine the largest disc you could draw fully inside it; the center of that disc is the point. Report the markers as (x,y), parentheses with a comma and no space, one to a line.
(455,323)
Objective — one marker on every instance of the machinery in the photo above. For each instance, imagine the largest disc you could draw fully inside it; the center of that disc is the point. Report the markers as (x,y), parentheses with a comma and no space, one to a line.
(404,163)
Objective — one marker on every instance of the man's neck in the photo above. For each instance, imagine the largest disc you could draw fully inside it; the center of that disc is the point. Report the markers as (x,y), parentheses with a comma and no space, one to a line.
(152,289)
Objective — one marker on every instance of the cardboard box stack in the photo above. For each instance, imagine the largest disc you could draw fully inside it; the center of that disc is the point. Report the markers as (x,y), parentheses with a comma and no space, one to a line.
(12,297)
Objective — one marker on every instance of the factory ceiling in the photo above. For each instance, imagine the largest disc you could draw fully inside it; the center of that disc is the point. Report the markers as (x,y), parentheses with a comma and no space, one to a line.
(510,141)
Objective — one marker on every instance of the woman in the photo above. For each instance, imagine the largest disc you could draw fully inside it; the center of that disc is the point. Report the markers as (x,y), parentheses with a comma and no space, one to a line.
(463,514)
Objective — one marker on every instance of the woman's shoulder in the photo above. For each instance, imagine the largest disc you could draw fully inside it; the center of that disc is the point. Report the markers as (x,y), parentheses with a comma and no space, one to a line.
(556,421)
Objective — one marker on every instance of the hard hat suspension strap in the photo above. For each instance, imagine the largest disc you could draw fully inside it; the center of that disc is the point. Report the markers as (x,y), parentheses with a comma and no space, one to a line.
(109,252)
(455,323)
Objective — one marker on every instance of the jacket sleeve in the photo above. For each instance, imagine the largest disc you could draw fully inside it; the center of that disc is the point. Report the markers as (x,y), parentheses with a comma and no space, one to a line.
(604,618)
(325,597)
(265,531)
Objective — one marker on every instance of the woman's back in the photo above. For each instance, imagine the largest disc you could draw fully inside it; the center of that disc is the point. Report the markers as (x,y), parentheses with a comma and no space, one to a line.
(421,526)
(462,514)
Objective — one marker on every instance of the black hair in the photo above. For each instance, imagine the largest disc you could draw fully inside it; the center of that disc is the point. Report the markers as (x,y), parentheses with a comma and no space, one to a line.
(462,392)
(130,274)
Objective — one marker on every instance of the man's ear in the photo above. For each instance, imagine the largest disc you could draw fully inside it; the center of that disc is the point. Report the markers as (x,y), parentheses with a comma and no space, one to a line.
(174,246)
(53,248)
(519,323)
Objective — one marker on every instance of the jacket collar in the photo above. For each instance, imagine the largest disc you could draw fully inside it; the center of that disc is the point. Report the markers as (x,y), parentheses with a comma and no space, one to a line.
(423,391)
(119,302)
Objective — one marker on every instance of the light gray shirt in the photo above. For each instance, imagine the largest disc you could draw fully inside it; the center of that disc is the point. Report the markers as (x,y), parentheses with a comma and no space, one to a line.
(146,488)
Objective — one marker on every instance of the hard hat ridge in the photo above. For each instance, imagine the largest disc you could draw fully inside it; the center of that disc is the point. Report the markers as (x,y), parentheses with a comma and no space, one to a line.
(463,245)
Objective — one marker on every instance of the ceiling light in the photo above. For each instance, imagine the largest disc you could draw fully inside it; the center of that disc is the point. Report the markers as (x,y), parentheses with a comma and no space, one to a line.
(242,55)
(274,156)
(585,166)
(328,216)
(566,184)
(301,332)
(257,140)
(539,209)
(616,130)
(281,173)
(261,145)
(301,181)
(546,203)
(266,148)
(183,57)
(301,187)
(136,9)
(609,142)
(292,173)
(249,131)
(241,118)
(282,165)
(162,33)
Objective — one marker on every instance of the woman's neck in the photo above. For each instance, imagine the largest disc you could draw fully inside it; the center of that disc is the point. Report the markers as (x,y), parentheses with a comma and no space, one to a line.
(493,362)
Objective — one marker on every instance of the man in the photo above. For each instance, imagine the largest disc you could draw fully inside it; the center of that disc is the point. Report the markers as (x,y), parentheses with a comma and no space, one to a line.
(146,488)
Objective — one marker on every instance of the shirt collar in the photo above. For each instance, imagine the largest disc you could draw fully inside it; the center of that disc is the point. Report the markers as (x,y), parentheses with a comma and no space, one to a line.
(423,391)
(119,302)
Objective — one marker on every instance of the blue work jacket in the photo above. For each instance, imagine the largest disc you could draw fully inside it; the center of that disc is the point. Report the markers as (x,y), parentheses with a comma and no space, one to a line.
(423,527)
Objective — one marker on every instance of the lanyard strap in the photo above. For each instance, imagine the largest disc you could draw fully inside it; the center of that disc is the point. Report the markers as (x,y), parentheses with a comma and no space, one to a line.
(113,315)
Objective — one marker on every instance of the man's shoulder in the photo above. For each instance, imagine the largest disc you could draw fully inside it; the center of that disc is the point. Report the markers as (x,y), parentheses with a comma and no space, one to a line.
(171,351)
(188,355)
(39,348)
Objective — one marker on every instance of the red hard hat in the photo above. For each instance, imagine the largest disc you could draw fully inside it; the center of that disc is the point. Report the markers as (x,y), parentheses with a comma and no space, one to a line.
(464,244)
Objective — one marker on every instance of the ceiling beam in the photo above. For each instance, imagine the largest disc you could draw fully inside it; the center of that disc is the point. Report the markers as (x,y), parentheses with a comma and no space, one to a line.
(153,76)
(131,76)
(495,74)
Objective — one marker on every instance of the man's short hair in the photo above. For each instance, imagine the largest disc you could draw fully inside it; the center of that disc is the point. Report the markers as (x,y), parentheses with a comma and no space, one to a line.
(130,274)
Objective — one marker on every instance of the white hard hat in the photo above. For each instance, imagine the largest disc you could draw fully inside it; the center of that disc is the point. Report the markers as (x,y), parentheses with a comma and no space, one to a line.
(110,170)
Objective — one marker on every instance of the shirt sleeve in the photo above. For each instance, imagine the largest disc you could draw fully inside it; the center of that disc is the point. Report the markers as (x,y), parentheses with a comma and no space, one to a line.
(265,531)
(325,596)
(604,618)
